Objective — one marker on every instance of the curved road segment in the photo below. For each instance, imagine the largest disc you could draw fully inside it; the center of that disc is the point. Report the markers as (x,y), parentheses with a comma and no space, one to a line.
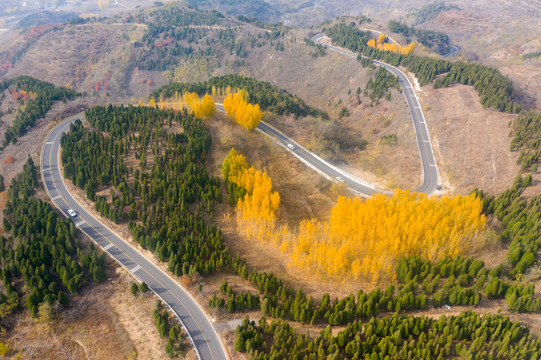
(203,335)
(454,50)
(315,162)
(428,161)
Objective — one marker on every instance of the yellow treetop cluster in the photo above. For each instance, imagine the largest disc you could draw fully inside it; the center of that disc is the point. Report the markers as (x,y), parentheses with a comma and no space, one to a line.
(202,108)
(381,38)
(256,211)
(394,47)
(244,113)
(365,239)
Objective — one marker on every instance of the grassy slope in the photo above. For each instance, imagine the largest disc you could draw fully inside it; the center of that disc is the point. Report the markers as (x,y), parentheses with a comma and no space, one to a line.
(105,47)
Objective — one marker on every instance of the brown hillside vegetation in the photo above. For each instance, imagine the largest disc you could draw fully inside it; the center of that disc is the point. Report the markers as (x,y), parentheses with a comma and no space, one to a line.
(330,82)
(80,56)
(104,321)
(471,143)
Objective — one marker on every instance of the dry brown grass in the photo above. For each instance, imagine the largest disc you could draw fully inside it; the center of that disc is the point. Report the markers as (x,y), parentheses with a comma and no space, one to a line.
(472,147)
(104,321)
(304,194)
(330,83)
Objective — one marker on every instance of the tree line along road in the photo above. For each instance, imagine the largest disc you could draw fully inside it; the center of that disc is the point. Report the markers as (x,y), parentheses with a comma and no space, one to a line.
(204,337)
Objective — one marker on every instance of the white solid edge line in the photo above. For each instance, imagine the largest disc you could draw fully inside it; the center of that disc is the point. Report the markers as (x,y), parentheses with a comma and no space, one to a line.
(409,86)
(338,170)
(159,269)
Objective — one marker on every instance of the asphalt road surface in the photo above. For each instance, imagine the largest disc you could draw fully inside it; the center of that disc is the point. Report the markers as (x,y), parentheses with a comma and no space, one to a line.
(203,335)
(428,161)
(454,50)
(326,169)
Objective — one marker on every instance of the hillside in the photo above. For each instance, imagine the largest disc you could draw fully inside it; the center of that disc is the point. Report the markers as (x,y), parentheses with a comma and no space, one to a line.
(113,64)
(247,228)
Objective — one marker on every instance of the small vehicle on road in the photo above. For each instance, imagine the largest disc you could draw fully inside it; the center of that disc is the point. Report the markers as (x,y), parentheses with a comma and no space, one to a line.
(339,179)
(291,146)
(72,213)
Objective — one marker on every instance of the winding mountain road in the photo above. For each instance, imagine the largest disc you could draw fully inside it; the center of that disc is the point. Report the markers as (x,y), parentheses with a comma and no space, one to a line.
(313,161)
(428,160)
(454,50)
(204,337)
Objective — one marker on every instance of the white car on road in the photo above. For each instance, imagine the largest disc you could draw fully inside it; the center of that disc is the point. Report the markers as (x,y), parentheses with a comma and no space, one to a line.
(72,213)
(291,146)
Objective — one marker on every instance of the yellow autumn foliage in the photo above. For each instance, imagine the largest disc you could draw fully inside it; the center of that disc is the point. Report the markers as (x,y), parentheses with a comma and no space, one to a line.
(256,211)
(381,38)
(365,239)
(202,108)
(233,165)
(238,109)
(393,47)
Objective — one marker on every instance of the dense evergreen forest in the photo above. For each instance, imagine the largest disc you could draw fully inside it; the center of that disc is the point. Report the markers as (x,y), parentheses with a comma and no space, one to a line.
(37,97)
(435,40)
(494,89)
(468,336)
(267,96)
(165,175)
(42,248)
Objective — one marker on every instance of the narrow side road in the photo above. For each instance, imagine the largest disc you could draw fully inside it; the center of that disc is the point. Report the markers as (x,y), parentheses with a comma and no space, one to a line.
(194,319)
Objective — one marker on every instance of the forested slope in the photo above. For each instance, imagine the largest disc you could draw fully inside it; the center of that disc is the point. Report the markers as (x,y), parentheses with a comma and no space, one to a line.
(495,90)
(37,97)
(267,96)
(42,249)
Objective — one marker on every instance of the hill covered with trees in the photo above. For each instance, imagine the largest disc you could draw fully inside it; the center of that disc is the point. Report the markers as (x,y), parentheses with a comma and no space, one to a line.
(37,97)
(435,40)
(267,96)
(495,89)
(166,174)
(42,249)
